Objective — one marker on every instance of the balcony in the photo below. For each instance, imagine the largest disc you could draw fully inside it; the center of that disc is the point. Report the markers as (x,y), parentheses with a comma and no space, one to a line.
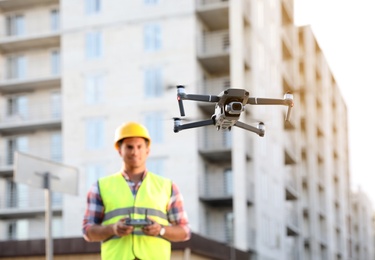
(214,13)
(251,239)
(213,86)
(6,169)
(287,11)
(215,146)
(11,5)
(18,85)
(289,37)
(41,116)
(289,72)
(213,51)
(10,44)
(291,183)
(26,202)
(291,219)
(290,149)
(217,189)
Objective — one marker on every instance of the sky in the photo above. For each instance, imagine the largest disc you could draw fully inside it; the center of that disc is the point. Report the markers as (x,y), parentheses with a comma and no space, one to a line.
(345,31)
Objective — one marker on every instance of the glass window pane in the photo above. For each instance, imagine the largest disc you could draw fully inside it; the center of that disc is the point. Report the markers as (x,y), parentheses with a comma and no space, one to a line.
(95,134)
(55,20)
(92,6)
(152,37)
(56,104)
(156,165)
(93,45)
(93,173)
(94,90)
(55,62)
(154,124)
(56,147)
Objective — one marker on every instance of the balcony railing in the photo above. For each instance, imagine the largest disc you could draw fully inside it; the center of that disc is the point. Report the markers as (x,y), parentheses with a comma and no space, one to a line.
(212,140)
(205,3)
(25,200)
(214,43)
(7,159)
(32,115)
(251,238)
(290,149)
(292,215)
(214,86)
(216,185)
(289,69)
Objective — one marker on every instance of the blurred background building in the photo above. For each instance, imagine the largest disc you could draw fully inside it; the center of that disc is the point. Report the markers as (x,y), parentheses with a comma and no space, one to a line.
(72,71)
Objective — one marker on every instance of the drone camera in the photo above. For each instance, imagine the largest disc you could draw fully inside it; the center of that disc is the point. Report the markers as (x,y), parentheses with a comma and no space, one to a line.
(234,108)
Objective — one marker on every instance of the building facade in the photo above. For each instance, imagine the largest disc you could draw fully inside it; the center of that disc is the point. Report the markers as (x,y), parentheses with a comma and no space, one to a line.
(73,71)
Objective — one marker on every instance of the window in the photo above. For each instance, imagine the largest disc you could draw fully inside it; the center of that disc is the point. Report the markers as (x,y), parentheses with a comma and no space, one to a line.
(56,147)
(154,124)
(152,37)
(150,2)
(15,25)
(93,173)
(93,45)
(12,230)
(57,199)
(92,6)
(17,106)
(228,181)
(57,227)
(94,89)
(229,227)
(94,133)
(16,67)
(55,62)
(13,144)
(55,20)
(16,195)
(153,82)
(156,165)
(56,104)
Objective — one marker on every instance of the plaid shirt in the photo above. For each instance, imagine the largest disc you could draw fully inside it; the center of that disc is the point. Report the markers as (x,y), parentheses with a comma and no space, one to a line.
(94,213)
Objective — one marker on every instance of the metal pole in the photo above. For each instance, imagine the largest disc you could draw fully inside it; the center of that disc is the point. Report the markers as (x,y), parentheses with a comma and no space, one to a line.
(48,216)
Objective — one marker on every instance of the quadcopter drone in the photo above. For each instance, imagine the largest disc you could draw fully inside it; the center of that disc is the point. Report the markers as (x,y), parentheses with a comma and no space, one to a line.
(230,103)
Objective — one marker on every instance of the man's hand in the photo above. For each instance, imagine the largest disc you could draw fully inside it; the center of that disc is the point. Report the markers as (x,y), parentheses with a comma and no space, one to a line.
(152,230)
(121,229)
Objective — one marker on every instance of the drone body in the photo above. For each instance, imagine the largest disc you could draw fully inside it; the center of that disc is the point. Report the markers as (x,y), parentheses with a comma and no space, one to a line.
(230,103)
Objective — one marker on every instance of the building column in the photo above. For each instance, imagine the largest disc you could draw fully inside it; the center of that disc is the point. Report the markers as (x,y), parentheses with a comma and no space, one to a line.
(238,151)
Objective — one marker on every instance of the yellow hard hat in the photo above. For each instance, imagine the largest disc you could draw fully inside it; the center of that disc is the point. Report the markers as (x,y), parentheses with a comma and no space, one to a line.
(131,129)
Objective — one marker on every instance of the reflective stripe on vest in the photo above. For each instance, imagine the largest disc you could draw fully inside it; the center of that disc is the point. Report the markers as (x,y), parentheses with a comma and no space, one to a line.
(152,197)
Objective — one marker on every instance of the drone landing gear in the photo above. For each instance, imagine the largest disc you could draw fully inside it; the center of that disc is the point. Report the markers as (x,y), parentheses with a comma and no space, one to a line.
(258,130)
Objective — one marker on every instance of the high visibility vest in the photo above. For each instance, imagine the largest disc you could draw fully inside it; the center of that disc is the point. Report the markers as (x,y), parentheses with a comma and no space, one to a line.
(152,199)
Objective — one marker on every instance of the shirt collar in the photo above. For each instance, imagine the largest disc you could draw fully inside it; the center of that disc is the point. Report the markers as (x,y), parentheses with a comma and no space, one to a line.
(126,176)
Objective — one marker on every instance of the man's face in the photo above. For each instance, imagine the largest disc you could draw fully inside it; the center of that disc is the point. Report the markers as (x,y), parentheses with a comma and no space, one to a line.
(134,152)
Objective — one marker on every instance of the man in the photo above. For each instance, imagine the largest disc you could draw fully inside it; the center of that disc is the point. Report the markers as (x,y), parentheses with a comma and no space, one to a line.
(134,193)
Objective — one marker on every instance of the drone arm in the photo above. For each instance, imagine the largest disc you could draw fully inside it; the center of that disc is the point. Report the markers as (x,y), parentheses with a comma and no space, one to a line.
(204,98)
(258,130)
(286,101)
(181,95)
(268,101)
(181,106)
(178,126)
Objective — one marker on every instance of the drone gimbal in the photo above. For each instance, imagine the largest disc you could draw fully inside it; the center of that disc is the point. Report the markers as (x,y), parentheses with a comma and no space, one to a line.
(230,103)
